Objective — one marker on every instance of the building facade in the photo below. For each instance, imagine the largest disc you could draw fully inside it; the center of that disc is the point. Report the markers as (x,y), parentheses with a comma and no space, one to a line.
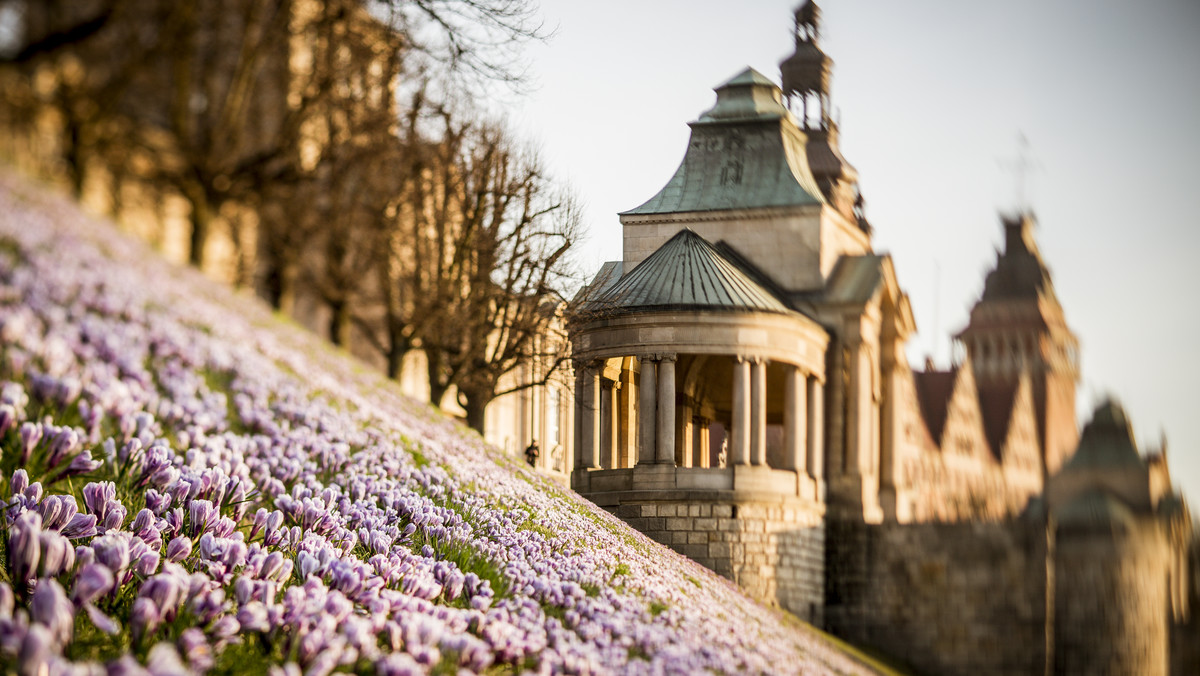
(743,393)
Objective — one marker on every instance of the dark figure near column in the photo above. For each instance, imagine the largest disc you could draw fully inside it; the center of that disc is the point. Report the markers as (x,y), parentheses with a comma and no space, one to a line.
(532,453)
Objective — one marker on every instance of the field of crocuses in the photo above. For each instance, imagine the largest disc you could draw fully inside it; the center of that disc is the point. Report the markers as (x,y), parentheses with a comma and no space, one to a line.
(192,485)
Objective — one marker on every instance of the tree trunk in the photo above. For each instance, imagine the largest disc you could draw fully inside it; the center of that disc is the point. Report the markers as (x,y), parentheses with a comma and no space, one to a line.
(437,384)
(476,407)
(396,349)
(339,323)
(75,160)
(201,221)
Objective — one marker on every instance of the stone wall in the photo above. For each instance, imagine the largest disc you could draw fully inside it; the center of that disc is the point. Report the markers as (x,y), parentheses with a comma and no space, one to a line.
(773,549)
(944,598)
(1111,608)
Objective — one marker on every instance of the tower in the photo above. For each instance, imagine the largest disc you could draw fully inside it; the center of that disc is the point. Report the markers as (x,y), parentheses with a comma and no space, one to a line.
(1018,325)
(806,76)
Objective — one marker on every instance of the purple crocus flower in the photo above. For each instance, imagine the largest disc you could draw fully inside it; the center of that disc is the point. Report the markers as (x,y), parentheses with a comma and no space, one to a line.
(147,563)
(81,464)
(57,511)
(163,660)
(196,650)
(143,619)
(8,417)
(49,607)
(157,502)
(113,551)
(20,481)
(91,582)
(102,622)
(36,649)
(115,516)
(98,496)
(253,617)
(58,555)
(64,442)
(167,594)
(200,513)
(24,546)
(80,526)
(31,434)
(179,549)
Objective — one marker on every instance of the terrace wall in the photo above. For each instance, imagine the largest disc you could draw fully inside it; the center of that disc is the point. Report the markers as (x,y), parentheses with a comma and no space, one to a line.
(774,548)
(944,598)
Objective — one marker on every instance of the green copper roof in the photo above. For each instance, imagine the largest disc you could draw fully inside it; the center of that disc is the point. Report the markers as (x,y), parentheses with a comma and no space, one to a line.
(745,152)
(687,272)
(1106,442)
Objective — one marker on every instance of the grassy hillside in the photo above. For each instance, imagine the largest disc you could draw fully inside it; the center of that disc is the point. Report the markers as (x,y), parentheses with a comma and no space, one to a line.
(192,484)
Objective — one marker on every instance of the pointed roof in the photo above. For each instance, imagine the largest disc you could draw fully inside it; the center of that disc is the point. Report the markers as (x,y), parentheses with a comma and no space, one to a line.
(934,389)
(732,164)
(1020,272)
(688,272)
(1106,442)
(996,402)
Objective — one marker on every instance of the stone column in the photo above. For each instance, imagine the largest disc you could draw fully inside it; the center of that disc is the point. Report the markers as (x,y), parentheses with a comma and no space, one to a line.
(858,412)
(628,426)
(578,415)
(758,412)
(612,426)
(685,435)
(816,430)
(647,410)
(665,439)
(704,444)
(739,434)
(591,416)
(795,421)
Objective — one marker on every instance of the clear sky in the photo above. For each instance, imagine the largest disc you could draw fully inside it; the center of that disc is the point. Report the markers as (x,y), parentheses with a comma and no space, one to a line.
(932,98)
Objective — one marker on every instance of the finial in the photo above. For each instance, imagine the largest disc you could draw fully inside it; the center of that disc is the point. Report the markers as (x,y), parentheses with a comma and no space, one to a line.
(1021,166)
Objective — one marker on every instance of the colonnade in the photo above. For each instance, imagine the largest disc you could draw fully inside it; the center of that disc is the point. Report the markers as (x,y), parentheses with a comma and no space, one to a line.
(657,428)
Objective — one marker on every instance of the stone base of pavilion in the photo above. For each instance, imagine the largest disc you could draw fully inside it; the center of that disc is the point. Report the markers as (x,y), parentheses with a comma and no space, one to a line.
(760,527)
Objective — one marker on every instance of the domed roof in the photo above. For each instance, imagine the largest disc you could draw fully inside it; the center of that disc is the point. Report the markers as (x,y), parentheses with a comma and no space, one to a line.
(687,272)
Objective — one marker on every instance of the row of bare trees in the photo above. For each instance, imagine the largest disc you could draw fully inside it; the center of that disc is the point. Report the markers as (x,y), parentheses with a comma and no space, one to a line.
(400,209)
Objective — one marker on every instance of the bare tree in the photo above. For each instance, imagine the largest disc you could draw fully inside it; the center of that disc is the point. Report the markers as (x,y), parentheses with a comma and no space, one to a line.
(501,258)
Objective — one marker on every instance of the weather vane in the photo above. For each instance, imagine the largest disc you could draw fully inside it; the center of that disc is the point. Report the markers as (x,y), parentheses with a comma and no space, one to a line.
(1021,166)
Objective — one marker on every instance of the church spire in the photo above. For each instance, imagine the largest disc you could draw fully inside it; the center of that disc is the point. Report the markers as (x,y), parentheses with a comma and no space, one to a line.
(1018,326)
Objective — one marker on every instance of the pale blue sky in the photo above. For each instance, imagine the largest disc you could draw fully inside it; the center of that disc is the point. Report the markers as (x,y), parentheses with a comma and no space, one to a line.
(932,97)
